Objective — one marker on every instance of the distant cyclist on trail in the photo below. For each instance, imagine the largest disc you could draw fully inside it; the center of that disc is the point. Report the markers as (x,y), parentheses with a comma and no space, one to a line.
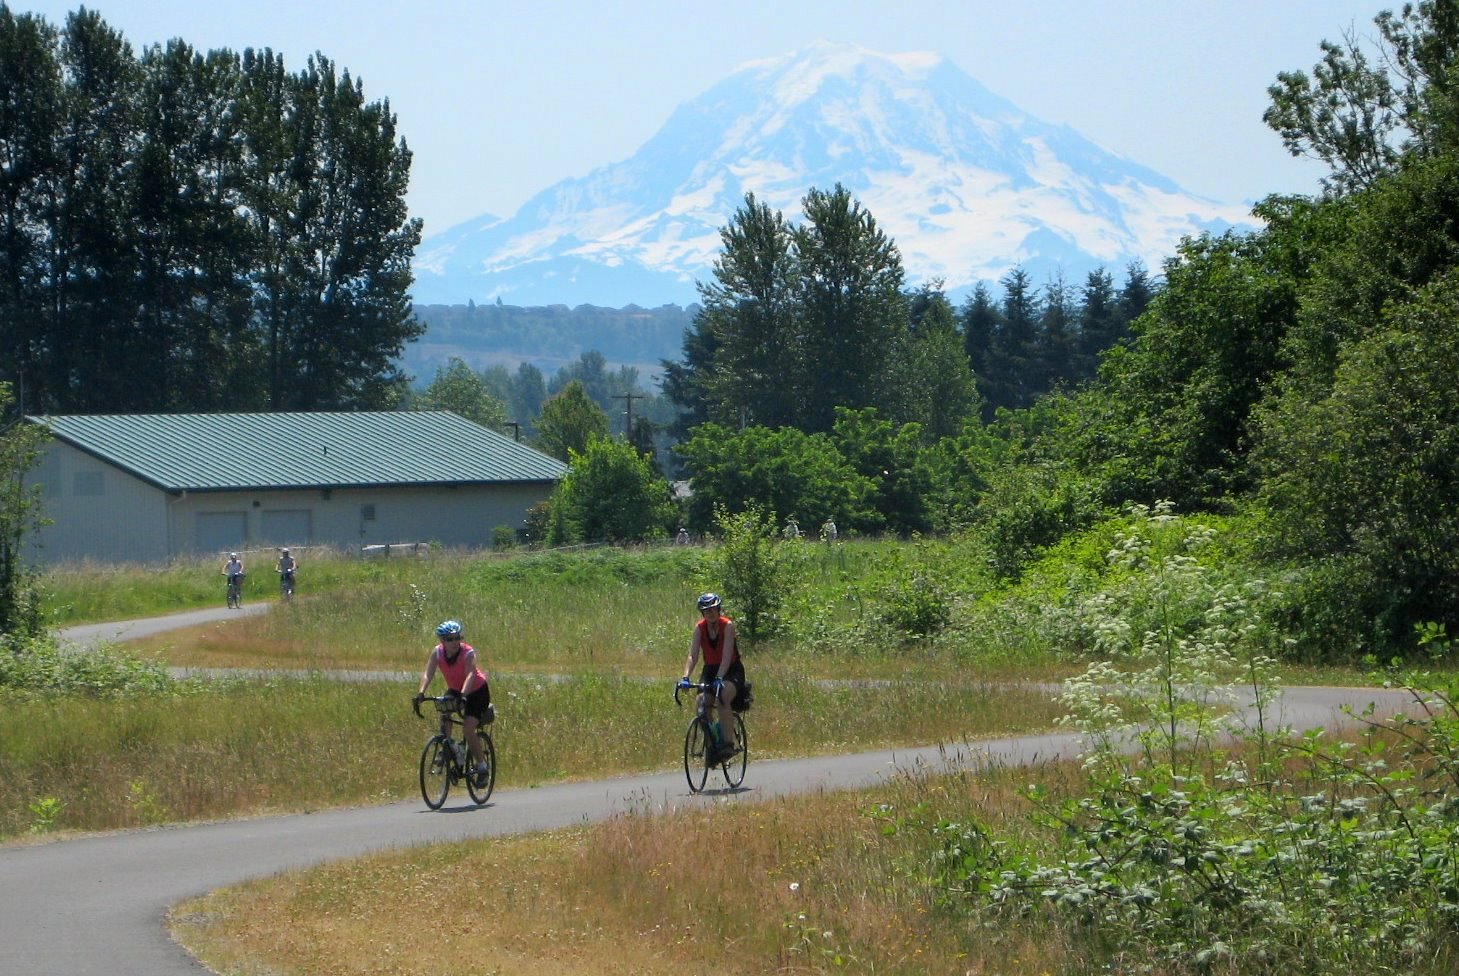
(714,638)
(457,663)
(286,568)
(233,570)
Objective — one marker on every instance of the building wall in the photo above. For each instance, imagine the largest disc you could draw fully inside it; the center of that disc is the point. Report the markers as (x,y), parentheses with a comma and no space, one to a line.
(104,514)
(355,517)
(97,512)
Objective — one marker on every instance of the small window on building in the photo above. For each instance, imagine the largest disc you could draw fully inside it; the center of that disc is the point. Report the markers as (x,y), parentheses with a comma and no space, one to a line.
(367,513)
(87,484)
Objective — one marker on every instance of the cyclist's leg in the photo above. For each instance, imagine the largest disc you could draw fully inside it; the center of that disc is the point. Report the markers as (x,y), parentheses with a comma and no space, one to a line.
(727,693)
(473,741)
(476,705)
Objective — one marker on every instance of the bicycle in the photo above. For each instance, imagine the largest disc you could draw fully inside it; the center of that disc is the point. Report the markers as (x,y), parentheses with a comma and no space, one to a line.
(235,591)
(446,761)
(698,739)
(286,585)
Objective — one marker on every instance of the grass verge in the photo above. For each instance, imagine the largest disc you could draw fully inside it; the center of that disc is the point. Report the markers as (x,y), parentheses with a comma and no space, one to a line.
(795,885)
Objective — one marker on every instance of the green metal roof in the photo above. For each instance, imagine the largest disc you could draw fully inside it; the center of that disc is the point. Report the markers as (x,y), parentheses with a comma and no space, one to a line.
(222,451)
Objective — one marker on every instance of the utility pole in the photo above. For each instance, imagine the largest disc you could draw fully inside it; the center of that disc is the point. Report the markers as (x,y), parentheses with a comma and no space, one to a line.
(628,399)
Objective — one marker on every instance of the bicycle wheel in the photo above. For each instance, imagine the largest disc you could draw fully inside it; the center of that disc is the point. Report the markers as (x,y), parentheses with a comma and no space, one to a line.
(734,769)
(435,772)
(481,792)
(696,754)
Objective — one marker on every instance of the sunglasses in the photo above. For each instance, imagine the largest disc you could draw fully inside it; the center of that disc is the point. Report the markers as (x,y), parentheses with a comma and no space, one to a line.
(456,638)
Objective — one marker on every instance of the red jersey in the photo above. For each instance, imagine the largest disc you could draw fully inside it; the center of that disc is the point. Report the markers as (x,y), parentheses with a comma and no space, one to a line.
(455,671)
(713,653)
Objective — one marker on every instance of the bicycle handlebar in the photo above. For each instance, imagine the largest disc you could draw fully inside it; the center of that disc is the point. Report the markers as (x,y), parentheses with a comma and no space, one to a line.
(458,703)
(680,686)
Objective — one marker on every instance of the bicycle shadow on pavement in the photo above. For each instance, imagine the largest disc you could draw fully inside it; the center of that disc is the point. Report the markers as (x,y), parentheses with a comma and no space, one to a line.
(468,806)
(720,791)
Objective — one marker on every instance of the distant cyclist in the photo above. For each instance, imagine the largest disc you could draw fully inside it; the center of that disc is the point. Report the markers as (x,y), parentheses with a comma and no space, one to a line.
(233,569)
(457,663)
(286,568)
(714,639)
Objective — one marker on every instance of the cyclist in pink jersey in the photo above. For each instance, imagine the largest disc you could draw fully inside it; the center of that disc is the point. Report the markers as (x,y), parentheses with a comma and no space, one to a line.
(456,660)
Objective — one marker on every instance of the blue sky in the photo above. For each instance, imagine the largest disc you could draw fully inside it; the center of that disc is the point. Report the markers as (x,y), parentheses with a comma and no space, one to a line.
(500,100)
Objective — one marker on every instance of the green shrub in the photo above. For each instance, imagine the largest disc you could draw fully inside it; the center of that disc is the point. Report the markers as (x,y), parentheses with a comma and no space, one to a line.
(755,569)
(1180,855)
(30,665)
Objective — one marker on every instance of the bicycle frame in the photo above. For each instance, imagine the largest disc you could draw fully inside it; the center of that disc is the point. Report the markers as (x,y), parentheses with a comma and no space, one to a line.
(698,742)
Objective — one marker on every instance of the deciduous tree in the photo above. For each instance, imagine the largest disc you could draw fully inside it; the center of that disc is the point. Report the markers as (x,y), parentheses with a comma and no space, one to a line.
(569,421)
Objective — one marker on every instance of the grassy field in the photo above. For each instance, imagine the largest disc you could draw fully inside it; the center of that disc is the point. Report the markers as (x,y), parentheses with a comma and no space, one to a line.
(591,641)
(575,643)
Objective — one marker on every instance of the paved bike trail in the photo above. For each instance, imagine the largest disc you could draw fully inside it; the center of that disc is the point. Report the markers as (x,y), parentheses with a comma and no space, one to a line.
(96,905)
(126,630)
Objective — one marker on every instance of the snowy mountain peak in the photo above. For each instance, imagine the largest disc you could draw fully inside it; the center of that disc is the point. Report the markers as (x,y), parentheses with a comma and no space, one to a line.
(966,183)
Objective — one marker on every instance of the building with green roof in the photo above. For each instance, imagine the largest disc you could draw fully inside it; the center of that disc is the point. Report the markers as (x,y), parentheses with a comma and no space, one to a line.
(152,487)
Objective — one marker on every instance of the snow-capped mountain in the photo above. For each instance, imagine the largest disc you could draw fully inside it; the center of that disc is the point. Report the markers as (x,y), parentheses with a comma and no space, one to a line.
(966,183)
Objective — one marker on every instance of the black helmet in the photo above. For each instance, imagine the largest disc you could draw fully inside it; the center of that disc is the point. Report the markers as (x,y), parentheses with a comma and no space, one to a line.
(708,601)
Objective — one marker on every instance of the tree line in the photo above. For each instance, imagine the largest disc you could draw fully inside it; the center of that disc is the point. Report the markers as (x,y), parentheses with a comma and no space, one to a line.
(799,320)
(195,231)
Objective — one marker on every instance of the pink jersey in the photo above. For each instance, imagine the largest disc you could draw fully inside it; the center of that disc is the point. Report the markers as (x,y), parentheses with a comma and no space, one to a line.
(455,671)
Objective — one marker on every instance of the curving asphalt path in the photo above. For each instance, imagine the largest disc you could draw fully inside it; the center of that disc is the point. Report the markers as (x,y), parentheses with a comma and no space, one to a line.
(97,905)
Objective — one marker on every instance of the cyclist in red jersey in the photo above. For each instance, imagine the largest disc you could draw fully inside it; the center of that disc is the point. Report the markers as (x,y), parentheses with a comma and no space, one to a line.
(714,639)
(456,661)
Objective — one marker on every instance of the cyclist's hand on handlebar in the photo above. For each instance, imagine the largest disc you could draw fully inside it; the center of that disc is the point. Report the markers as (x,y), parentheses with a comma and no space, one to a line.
(420,696)
(684,683)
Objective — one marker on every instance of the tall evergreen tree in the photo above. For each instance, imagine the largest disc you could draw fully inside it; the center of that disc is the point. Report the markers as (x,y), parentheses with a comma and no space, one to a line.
(1135,294)
(1010,378)
(347,251)
(1100,322)
(686,383)
(31,116)
(1058,338)
(750,305)
(938,387)
(89,259)
(980,322)
(854,312)
(192,249)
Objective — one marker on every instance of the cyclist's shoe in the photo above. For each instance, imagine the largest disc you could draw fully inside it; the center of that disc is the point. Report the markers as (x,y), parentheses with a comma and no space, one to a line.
(483,772)
(723,754)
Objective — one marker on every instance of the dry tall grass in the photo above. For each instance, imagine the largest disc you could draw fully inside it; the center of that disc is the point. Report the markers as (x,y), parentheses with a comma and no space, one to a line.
(795,885)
